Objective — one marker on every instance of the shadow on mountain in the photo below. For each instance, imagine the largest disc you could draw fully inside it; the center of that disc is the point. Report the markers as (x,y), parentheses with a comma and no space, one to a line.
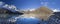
(54,19)
(5,13)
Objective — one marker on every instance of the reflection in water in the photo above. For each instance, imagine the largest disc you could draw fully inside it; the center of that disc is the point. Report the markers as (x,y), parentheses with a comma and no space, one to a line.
(17,19)
(4,18)
(27,21)
(22,20)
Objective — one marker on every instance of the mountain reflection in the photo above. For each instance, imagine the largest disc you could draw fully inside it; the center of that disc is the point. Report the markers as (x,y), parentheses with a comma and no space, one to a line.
(42,15)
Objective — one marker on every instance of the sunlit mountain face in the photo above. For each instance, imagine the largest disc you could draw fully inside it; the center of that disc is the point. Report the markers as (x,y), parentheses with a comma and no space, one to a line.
(42,13)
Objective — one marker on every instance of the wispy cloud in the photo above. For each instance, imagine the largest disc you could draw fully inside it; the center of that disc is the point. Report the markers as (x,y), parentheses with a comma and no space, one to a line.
(12,7)
(6,6)
(1,3)
(32,9)
(44,3)
(56,10)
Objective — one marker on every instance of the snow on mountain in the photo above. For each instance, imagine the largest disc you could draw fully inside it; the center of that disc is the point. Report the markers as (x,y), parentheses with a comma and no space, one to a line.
(9,7)
(56,10)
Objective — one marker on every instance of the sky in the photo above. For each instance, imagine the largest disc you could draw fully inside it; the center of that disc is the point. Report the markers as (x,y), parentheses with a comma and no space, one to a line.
(33,4)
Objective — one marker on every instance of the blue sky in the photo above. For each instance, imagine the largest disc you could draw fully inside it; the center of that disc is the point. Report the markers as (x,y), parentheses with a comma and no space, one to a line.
(25,4)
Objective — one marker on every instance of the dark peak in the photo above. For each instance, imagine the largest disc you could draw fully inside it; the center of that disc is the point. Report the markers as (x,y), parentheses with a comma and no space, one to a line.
(7,11)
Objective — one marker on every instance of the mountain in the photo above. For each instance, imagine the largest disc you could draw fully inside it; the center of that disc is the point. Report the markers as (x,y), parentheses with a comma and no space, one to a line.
(4,10)
(54,19)
(42,13)
(6,13)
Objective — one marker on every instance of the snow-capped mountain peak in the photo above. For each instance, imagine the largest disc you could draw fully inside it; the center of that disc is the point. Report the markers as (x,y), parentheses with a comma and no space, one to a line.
(56,10)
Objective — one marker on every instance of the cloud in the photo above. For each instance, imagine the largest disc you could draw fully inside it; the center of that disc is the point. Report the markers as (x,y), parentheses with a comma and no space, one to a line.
(9,6)
(1,3)
(32,9)
(44,3)
(6,6)
(56,10)
(12,7)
